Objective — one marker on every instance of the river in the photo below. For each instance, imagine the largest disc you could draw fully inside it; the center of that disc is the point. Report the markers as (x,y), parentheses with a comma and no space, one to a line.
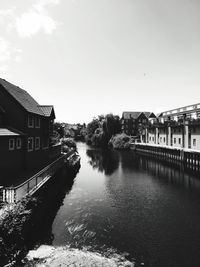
(132,205)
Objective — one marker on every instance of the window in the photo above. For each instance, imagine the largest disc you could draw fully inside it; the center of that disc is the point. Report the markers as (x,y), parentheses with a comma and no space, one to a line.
(179,141)
(37,122)
(164,139)
(30,144)
(194,142)
(11,144)
(30,121)
(174,140)
(19,143)
(37,143)
(160,139)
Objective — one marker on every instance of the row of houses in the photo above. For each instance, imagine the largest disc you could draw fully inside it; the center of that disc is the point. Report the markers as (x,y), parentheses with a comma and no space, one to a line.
(179,128)
(25,129)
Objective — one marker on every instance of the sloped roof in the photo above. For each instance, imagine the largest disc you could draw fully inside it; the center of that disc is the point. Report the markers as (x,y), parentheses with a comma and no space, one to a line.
(136,114)
(131,114)
(150,114)
(22,97)
(9,132)
(47,110)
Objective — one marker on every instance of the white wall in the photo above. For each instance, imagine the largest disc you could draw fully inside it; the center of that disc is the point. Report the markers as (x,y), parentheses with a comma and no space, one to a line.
(195,135)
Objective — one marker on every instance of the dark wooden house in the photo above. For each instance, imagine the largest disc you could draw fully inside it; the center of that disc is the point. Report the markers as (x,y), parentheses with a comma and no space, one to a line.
(25,129)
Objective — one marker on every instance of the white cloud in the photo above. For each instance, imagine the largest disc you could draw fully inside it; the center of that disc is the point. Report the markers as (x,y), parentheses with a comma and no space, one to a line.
(4,50)
(8,53)
(32,22)
(36,19)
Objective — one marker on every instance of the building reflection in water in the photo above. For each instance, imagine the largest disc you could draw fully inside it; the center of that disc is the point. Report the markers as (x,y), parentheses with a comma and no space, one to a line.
(108,162)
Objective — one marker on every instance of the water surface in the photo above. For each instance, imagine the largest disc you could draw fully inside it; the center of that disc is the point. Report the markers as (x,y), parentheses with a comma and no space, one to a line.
(122,202)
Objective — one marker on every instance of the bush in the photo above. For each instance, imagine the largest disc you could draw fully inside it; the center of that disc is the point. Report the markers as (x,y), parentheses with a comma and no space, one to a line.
(67,144)
(120,141)
(15,222)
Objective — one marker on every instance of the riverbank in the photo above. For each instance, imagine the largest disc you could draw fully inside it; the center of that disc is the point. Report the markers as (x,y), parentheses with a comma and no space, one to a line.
(189,157)
(17,220)
(65,256)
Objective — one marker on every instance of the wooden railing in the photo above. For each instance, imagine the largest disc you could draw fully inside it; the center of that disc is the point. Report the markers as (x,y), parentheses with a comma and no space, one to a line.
(30,186)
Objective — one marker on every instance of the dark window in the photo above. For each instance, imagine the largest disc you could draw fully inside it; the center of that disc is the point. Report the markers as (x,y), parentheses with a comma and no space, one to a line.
(19,143)
(30,144)
(37,122)
(30,121)
(11,144)
(37,143)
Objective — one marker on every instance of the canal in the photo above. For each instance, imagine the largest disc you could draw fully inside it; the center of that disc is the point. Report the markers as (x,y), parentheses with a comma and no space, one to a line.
(125,203)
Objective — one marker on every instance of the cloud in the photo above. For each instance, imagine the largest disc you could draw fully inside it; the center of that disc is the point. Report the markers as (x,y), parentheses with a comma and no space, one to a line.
(36,19)
(32,22)
(8,53)
(5,53)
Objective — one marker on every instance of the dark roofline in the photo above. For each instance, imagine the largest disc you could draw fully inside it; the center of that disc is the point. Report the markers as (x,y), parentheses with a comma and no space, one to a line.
(9,88)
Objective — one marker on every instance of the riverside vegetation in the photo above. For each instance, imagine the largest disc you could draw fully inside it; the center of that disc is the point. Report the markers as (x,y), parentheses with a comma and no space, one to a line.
(105,131)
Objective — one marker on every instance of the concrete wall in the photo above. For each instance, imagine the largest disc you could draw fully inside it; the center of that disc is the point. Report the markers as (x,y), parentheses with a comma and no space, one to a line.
(177,140)
(162,139)
(151,138)
(195,138)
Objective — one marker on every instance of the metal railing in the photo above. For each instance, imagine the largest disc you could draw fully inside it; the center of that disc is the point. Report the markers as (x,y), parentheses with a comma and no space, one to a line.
(30,186)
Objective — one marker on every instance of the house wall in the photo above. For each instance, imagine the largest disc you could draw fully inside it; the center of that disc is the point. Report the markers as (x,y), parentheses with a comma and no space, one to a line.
(10,159)
(195,135)
(162,138)
(14,115)
(177,137)
(37,157)
(151,138)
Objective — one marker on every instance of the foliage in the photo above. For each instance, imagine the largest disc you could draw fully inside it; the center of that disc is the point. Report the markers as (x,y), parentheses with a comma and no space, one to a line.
(67,144)
(58,127)
(101,129)
(55,138)
(15,223)
(90,130)
(120,141)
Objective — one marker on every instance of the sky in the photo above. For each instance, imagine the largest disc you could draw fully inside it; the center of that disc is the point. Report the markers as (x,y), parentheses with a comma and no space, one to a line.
(92,57)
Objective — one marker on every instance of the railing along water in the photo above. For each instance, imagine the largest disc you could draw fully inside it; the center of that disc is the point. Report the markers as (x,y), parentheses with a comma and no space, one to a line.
(30,186)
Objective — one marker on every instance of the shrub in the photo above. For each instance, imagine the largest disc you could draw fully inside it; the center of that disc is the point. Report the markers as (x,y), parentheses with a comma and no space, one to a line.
(120,141)
(67,144)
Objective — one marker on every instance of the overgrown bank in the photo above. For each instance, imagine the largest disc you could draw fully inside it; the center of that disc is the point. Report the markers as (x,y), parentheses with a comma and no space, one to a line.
(15,224)
(105,131)
(28,222)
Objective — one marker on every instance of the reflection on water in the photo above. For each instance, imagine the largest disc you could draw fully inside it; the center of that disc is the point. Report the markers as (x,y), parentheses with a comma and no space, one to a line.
(142,209)
(105,161)
(49,198)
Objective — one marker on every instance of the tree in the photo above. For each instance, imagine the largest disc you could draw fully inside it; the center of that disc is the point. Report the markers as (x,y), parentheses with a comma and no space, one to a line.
(101,129)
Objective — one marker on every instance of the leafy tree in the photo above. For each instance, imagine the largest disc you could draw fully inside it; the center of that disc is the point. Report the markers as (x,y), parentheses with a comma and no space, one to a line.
(101,129)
